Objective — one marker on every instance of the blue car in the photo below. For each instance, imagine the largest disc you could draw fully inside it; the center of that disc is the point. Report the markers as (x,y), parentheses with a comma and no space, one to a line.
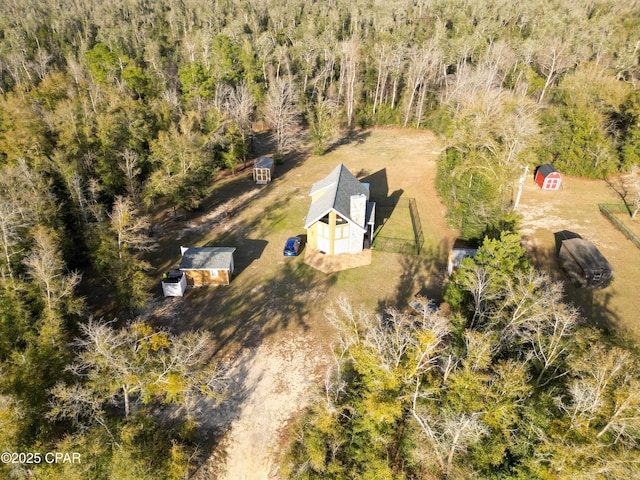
(292,247)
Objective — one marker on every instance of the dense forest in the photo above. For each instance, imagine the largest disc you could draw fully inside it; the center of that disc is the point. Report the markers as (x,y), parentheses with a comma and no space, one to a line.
(108,107)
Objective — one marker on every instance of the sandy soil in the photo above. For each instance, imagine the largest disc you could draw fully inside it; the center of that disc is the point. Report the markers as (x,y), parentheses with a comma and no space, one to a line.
(270,385)
(575,208)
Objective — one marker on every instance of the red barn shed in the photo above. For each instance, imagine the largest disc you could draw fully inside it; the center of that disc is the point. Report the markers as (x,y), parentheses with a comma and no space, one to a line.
(547,177)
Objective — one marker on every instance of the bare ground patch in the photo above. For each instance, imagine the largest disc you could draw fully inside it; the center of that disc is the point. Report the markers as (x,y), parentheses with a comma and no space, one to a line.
(575,208)
(270,385)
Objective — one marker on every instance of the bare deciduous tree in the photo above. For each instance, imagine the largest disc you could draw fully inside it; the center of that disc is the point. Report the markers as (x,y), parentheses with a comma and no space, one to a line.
(553,58)
(597,372)
(424,67)
(281,114)
(133,362)
(130,166)
(45,265)
(624,419)
(239,105)
(25,199)
(627,187)
(349,64)
(132,231)
(448,434)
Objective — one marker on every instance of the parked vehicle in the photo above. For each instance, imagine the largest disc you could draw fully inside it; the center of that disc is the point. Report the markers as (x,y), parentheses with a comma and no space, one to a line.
(292,247)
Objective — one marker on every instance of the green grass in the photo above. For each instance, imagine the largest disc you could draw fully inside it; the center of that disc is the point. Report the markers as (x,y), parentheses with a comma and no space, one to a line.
(396,223)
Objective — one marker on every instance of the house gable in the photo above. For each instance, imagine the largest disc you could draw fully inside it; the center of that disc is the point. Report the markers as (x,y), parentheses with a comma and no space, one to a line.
(334,193)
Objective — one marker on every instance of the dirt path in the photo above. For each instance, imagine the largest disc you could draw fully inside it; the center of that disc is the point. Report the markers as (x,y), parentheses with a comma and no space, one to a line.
(270,385)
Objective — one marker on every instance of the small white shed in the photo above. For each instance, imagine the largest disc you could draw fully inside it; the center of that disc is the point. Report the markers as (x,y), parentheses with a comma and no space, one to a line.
(460,250)
(174,283)
(263,170)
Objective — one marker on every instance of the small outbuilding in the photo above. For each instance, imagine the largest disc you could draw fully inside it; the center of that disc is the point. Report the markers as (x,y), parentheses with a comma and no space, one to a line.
(207,265)
(263,170)
(583,262)
(174,283)
(547,177)
(461,249)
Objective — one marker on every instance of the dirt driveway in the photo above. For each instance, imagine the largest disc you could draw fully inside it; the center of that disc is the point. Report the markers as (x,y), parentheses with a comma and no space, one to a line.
(269,323)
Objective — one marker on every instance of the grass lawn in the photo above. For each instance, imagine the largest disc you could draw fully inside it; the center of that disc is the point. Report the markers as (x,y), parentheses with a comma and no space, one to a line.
(632,224)
(575,208)
(271,293)
(395,222)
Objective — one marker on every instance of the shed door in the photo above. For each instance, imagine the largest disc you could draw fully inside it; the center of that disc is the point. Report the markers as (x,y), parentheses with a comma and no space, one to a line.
(262,175)
(552,183)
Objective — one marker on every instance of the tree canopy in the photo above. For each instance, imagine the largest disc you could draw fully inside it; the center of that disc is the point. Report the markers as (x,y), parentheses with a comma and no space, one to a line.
(109,107)
(513,384)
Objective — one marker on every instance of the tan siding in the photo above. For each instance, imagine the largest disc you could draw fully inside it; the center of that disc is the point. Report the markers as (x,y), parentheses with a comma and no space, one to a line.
(198,278)
(312,235)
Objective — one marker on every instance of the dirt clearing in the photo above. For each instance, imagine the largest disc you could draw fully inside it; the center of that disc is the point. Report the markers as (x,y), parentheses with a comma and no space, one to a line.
(575,208)
(269,386)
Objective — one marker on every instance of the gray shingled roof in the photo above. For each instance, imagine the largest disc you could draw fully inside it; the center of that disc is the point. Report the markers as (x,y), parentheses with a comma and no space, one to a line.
(338,188)
(545,169)
(207,258)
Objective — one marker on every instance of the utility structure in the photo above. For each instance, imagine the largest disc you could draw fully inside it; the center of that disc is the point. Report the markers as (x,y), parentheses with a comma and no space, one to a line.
(521,186)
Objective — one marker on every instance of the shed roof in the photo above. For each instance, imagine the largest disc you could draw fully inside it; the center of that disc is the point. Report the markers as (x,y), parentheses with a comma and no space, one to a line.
(546,169)
(337,188)
(207,258)
(586,254)
(263,162)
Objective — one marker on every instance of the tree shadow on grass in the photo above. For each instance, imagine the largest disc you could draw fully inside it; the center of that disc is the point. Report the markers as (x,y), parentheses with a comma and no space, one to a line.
(421,276)
(379,193)
(245,313)
(247,251)
(351,137)
(263,298)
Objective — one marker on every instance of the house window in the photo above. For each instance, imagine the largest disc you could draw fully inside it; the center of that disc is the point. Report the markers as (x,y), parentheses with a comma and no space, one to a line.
(213,273)
(340,220)
(325,219)
(342,232)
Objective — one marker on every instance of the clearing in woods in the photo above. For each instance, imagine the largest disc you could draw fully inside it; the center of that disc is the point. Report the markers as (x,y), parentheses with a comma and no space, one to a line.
(270,322)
